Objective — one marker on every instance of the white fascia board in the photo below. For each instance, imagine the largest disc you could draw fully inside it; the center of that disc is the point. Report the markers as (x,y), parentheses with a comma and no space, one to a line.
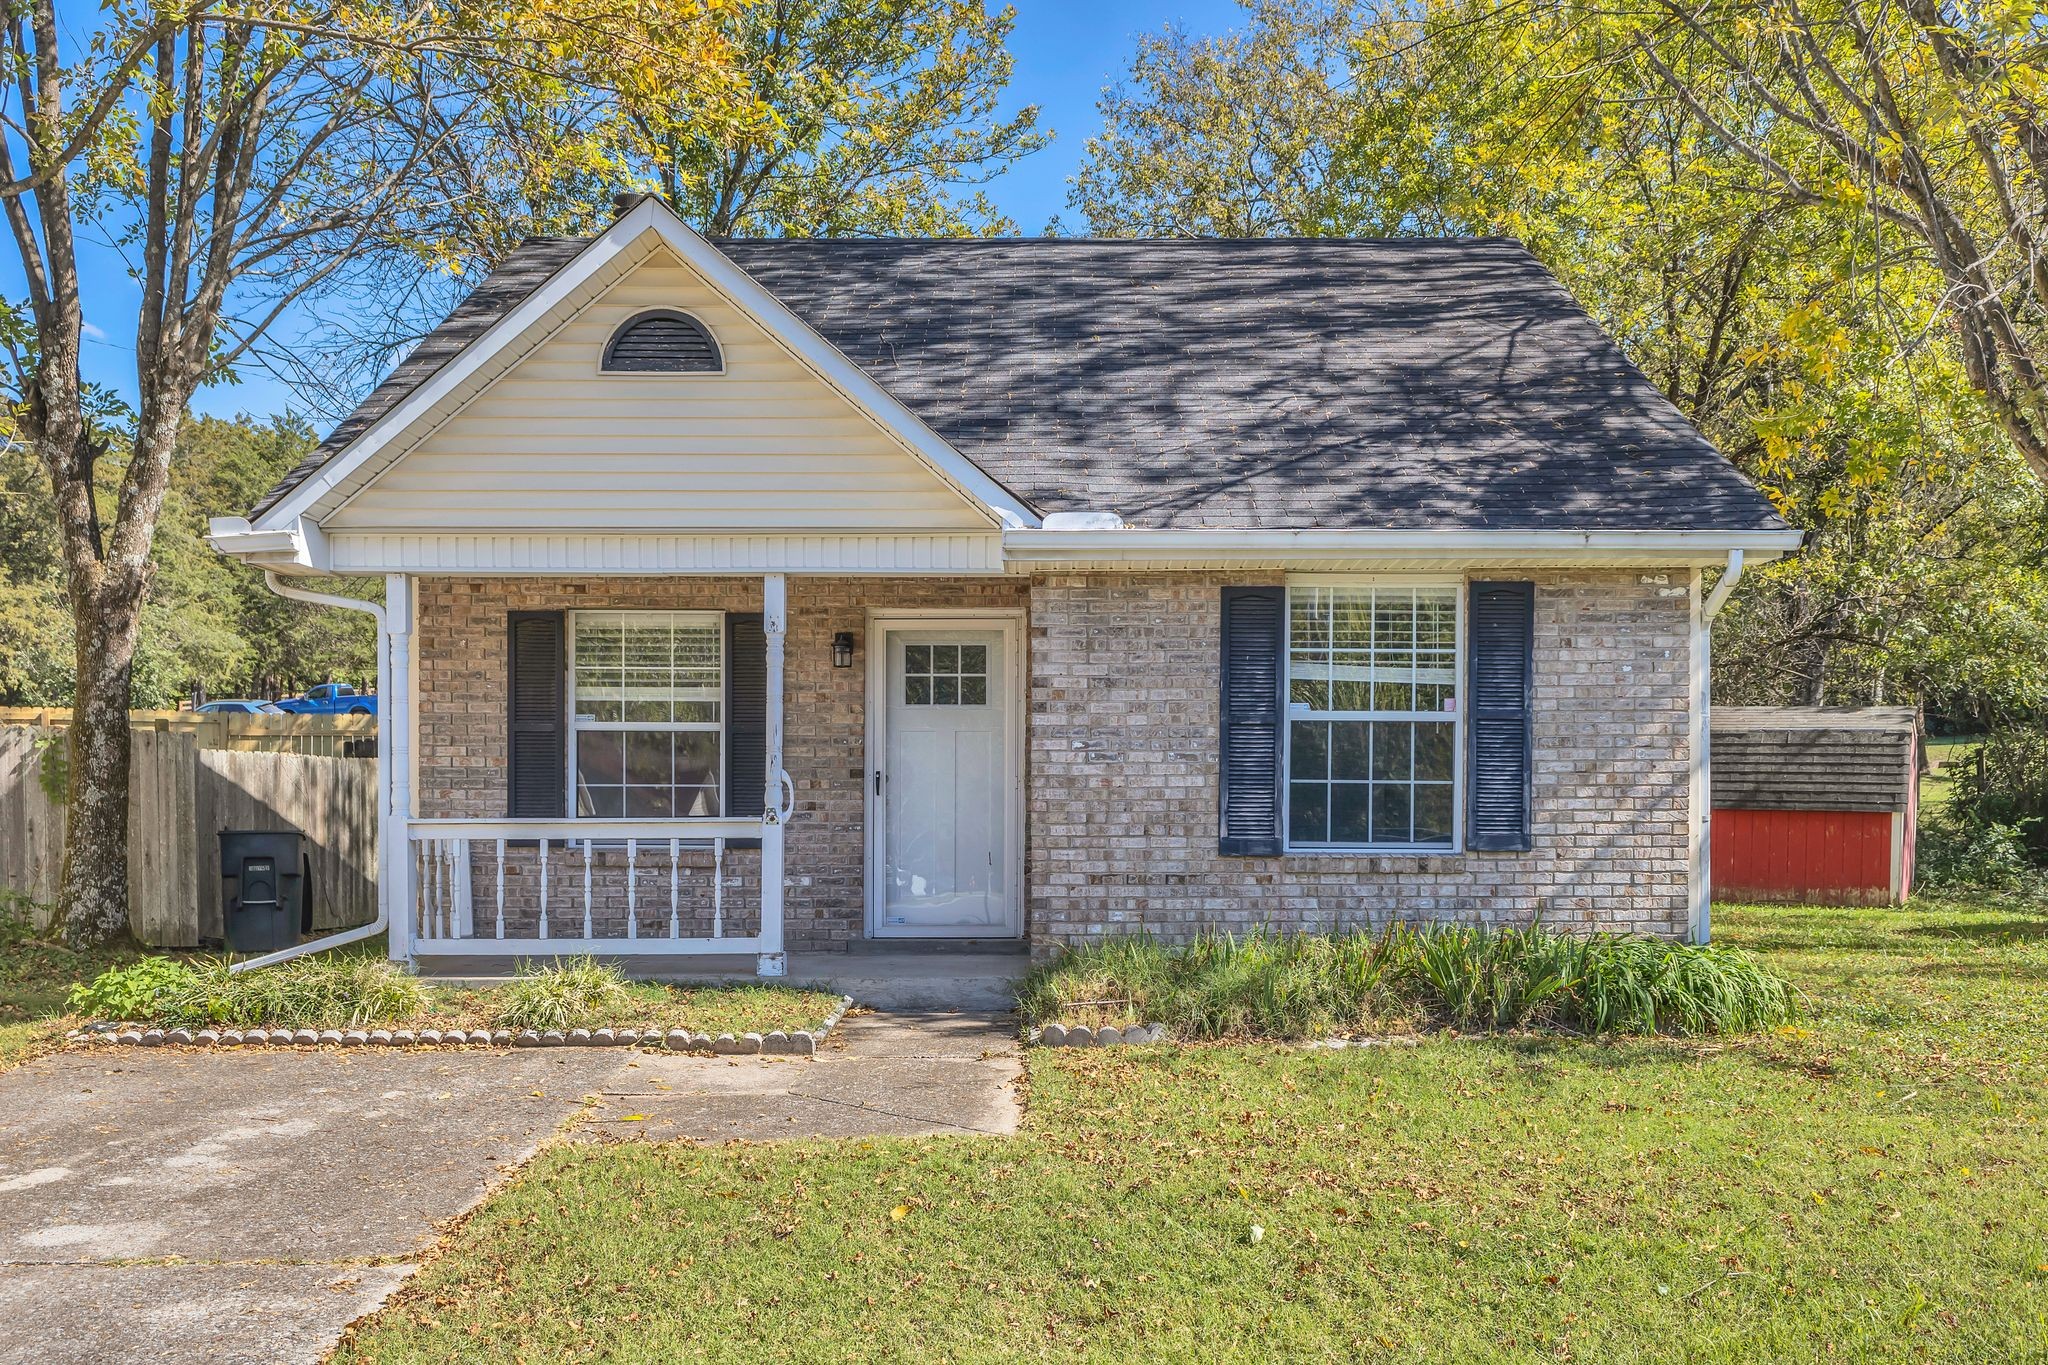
(1024,547)
(802,341)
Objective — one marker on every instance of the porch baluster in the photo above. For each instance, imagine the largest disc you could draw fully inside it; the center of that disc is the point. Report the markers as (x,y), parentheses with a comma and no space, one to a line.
(543,888)
(436,916)
(718,888)
(501,888)
(675,918)
(586,889)
(632,885)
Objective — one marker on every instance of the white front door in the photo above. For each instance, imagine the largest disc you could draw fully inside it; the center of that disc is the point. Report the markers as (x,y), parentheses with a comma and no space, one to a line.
(943,857)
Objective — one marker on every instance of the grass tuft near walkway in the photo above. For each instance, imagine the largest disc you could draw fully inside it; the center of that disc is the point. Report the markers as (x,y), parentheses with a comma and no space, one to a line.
(1871,1183)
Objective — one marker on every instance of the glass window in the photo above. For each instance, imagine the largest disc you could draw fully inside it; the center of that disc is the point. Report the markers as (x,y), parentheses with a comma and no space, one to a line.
(647,703)
(945,675)
(1372,680)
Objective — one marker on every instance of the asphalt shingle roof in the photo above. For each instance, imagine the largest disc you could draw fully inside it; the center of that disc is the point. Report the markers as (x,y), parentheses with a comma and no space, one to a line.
(1370,384)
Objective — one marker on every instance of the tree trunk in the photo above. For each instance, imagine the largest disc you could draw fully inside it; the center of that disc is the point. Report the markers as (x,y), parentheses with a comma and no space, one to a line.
(93,899)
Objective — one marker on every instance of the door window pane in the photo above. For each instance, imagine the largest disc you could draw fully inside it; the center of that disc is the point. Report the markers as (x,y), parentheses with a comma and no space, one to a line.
(945,675)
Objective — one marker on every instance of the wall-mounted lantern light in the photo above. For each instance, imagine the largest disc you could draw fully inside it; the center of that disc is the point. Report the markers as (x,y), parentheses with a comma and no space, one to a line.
(842,649)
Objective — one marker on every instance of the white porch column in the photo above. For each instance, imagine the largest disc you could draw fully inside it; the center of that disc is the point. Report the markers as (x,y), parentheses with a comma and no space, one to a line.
(775,624)
(394,747)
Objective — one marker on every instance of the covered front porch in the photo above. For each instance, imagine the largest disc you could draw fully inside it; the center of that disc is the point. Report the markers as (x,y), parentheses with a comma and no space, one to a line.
(533,829)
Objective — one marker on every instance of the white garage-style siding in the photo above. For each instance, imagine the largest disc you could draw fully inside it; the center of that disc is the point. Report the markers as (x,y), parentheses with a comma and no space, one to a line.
(555,443)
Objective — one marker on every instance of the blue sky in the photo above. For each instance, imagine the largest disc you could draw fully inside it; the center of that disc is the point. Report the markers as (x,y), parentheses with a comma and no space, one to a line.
(1066,51)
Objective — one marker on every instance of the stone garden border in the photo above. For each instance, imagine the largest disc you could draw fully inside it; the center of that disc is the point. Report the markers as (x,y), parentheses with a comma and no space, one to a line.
(777,1043)
(1080,1035)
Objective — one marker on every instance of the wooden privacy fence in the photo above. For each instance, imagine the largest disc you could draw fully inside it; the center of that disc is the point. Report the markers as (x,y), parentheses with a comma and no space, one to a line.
(326,736)
(181,796)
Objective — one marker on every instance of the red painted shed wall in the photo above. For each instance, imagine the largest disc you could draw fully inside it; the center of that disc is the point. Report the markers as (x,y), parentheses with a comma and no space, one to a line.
(1824,857)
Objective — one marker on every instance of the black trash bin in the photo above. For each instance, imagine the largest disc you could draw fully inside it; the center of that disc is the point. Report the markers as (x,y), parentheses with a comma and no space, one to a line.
(266,899)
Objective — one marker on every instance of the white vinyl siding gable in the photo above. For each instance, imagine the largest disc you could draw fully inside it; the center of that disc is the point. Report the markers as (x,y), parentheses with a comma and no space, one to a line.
(558,444)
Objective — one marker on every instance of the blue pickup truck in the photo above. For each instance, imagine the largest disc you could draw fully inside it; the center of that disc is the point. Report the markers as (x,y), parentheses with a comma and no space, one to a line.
(332,699)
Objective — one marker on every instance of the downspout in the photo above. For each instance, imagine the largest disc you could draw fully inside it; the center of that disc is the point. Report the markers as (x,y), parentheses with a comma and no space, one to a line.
(1719,596)
(1703,745)
(383,919)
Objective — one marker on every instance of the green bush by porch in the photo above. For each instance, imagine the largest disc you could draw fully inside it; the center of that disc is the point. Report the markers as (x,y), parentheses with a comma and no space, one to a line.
(1401,978)
(357,987)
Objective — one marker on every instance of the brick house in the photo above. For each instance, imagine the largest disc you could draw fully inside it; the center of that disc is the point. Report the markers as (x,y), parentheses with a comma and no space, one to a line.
(754,595)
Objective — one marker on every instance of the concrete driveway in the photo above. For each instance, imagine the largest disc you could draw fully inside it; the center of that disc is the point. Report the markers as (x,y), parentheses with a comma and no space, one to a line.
(177,1206)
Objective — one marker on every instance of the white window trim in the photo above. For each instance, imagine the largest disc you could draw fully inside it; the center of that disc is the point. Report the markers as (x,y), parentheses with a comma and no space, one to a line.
(1456,582)
(715,619)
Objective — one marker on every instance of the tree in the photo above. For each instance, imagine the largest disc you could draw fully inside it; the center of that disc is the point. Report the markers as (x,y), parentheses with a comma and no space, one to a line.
(245,156)
(1927,117)
(1228,136)
(873,116)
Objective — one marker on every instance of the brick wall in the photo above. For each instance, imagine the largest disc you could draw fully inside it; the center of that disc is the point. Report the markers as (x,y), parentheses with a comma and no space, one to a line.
(1123,773)
(1121,761)
(459,645)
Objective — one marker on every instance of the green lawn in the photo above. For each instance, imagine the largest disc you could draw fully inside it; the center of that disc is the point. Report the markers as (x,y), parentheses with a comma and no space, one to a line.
(1870,1185)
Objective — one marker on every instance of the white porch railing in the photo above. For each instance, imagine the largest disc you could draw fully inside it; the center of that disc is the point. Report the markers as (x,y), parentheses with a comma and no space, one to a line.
(547,887)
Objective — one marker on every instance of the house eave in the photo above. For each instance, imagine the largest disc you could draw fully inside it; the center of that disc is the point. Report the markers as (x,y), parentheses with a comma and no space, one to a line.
(1364,550)
(298,547)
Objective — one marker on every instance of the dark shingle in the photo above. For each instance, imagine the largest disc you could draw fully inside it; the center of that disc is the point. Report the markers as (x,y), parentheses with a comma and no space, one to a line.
(1401,384)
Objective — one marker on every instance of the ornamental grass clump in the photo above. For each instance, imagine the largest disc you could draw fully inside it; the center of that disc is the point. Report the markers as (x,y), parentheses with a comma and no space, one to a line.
(325,991)
(1469,977)
(562,995)
(1493,978)
(1222,985)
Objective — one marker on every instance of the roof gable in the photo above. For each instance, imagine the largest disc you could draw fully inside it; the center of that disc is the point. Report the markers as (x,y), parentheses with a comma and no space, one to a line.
(539,291)
(753,441)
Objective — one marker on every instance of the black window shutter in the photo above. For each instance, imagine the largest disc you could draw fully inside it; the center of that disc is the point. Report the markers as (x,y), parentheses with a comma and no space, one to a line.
(537,754)
(1501,762)
(1254,638)
(746,718)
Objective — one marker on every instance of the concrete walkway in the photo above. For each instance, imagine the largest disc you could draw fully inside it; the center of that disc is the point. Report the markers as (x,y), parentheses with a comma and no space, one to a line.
(177,1206)
(901,1074)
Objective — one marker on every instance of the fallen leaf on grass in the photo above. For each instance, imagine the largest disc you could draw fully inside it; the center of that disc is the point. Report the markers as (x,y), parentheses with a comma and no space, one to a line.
(899,1213)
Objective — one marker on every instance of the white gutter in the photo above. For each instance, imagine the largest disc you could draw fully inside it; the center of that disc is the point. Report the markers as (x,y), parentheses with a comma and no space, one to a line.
(384,760)
(1139,545)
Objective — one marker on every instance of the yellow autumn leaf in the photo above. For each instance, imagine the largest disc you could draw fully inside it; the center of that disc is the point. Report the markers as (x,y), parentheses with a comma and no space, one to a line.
(634,1118)
(899,1213)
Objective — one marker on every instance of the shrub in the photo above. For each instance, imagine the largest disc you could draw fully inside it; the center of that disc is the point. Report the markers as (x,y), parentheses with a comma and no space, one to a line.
(1646,985)
(330,990)
(1485,978)
(1263,985)
(326,991)
(135,991)
(1221,985)
(1956,854)
(561,995)
(2006,784)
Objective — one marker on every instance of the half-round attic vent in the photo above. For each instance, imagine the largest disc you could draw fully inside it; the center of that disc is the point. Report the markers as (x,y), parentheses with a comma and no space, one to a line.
(663,341)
